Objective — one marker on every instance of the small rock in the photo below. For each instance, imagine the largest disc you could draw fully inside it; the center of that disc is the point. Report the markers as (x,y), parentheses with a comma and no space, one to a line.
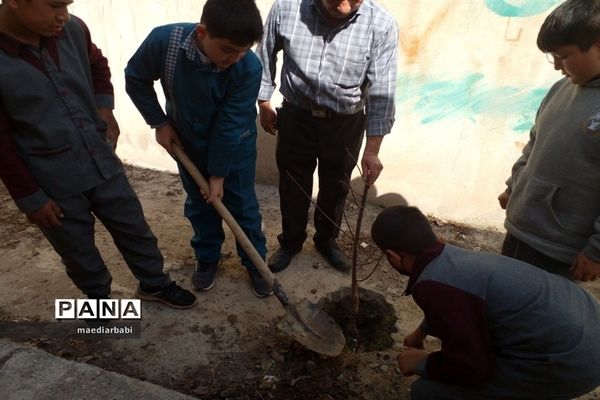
(316,265)
(477,248)
(374,365)
(232,318)
(384,368)
(266,364)
(277,357)
(313,291)
(201,391)
(364,245)
(227,393)
(269,382)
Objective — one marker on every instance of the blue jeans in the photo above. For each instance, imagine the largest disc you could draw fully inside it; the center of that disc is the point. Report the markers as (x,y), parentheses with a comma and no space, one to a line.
(239,198)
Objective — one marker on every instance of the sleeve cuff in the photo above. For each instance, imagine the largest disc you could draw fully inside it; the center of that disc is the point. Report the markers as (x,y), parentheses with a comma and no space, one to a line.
(379,127)
(592,253)
(420,368)
(105,101)
(266,92)
(32,202)
(156,126)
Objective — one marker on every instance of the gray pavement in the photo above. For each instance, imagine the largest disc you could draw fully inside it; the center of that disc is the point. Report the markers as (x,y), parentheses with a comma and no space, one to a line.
(27,373)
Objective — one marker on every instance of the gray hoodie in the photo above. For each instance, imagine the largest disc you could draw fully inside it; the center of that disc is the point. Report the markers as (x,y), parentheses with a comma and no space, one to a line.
(554,205)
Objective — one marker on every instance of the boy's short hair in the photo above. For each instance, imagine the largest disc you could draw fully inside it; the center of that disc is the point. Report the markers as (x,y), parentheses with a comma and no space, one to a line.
(236,20)
(574,22)
(402,228)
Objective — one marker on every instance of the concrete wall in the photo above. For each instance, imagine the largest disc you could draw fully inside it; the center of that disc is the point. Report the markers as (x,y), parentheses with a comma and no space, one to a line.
(470,81)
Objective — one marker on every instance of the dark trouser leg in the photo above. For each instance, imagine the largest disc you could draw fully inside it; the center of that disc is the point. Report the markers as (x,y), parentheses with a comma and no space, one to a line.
(206,222)
(496,389)
(339,142)
(296,157)
(514,248)
(426,389)
(117,206)
(74,243)
(240,199)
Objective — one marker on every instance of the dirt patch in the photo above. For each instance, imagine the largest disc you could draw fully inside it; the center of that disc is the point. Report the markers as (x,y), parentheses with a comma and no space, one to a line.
(228,346)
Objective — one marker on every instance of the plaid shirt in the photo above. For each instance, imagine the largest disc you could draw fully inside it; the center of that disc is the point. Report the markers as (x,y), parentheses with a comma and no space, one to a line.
(345,68)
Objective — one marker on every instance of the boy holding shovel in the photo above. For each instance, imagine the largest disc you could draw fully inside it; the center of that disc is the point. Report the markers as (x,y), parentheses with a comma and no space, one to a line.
(210,79)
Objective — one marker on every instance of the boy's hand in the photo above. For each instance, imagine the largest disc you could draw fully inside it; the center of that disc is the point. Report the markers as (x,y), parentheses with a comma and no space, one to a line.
(415,339)
(112,127)
(583,269)
(166,136)
(46,217)
(409,359)
(503,200)
(268,117)
(216,189)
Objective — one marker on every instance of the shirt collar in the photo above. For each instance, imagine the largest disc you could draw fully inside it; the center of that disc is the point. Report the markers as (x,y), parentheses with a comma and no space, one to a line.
(189,46)
(193,53)
(13,47)
(423,259)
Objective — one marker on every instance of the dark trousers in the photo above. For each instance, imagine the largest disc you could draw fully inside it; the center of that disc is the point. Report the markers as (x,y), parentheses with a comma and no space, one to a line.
(514,248)
(302,141)
(117,206)
(239,197)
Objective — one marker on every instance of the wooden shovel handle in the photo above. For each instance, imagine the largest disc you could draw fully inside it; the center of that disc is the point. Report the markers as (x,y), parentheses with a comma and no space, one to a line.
(239,234)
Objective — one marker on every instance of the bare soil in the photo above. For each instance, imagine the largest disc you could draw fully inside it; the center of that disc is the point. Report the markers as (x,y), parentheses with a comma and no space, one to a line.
(228,346)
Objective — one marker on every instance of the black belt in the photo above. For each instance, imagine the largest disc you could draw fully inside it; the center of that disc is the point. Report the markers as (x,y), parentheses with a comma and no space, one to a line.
(315,110)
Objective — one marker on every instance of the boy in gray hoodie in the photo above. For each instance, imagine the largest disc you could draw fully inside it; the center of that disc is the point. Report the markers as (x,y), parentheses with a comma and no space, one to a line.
(552,199)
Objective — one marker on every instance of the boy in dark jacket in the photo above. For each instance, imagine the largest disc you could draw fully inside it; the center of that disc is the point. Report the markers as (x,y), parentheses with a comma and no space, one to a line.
(508,330)
(57,140)
(210,79)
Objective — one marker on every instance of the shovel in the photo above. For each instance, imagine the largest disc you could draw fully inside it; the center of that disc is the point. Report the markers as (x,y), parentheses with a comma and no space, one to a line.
(304,322)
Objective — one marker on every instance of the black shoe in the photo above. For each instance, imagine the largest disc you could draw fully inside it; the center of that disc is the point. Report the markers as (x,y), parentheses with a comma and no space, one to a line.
(281,259)
(171,295)
(260,287)
(203,277)
(334,256)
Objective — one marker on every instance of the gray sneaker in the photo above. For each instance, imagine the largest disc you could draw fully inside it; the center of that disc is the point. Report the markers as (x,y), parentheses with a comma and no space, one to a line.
(260,287)
(172,295)
(203,278)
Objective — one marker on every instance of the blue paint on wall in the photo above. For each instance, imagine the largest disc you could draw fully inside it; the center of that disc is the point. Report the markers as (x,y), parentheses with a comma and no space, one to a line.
(469,97)
(527,8)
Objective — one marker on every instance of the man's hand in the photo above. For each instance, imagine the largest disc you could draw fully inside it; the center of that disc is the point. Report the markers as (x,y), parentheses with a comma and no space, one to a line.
(46,217)
(216,189)
(166,137)
(415,339)
(583,269)
(408,360)
(371,165)
(112,127)
(503,199)
(268,117)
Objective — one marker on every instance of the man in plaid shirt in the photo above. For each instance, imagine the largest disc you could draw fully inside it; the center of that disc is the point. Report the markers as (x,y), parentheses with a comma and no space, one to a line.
(338,79)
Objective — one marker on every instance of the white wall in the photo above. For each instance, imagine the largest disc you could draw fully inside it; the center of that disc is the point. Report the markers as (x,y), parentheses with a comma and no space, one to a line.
(470,81)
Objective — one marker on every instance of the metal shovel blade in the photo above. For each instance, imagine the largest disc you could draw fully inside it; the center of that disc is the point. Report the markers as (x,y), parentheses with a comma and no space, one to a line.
(314,329)
(304,322)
